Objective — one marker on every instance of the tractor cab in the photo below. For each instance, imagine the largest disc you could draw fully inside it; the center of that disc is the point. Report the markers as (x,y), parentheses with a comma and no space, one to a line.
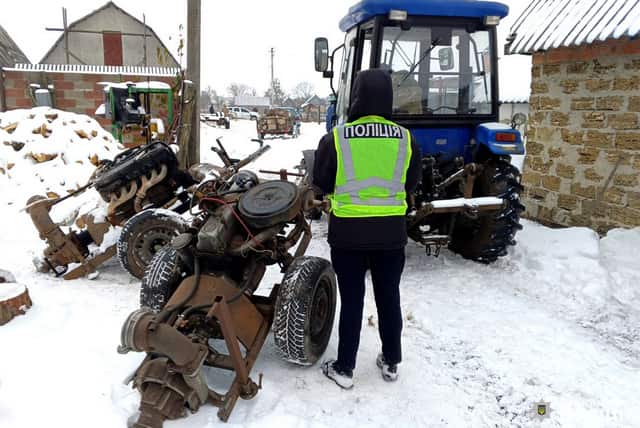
(443,59)
(135,109)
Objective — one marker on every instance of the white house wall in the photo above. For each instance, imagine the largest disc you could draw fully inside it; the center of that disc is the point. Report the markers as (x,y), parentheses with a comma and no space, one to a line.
(89,47)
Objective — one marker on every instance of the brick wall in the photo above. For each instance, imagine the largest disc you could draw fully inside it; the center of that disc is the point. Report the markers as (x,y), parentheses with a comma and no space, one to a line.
(583,152)
(75,92)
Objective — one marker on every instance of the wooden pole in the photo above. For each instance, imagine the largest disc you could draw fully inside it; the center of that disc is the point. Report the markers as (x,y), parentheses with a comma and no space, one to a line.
(66,33)
(193,74)
(187,113)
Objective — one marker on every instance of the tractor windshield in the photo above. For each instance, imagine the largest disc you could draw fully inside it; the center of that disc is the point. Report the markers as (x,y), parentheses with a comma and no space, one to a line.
(439,70)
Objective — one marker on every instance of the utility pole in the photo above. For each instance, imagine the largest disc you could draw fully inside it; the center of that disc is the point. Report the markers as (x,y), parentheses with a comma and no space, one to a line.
(193,74)
(66,34)
(273,54)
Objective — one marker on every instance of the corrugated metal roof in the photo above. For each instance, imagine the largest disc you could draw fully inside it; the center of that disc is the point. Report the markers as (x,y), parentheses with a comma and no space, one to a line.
(548,24)
(10,53)
(97,69)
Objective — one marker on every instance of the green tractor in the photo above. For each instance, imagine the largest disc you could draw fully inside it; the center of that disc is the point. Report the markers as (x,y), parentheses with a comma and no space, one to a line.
(129,106)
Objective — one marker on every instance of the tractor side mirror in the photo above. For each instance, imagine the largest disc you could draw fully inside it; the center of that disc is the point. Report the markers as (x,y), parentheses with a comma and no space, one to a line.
(321,54)
(445,57)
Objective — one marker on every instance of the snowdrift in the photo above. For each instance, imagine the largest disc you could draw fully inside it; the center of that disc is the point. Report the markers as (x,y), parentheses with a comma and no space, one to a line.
(49,151)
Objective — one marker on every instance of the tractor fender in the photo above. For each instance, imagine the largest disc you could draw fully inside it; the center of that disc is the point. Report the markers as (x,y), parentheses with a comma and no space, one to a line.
(500,139)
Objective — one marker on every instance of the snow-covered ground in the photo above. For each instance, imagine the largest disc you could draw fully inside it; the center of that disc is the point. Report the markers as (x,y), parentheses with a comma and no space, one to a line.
(557,320)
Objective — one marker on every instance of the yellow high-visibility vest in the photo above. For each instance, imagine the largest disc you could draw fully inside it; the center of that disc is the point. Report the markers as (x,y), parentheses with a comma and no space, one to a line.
(373,157)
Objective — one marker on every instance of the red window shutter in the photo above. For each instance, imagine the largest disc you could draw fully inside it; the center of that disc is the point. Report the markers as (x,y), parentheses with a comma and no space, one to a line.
(112,43)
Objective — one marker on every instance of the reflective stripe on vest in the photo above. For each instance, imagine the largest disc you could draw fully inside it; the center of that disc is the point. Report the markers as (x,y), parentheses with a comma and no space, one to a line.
(395,201)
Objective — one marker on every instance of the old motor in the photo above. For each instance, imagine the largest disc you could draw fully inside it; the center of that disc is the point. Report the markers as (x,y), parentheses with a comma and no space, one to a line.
(199,306)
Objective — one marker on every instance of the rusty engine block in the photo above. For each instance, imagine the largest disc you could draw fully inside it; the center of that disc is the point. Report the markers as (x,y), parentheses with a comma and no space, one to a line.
(199,306)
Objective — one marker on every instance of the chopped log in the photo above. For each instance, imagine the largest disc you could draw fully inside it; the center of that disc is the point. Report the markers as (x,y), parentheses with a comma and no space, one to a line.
(81,133)
(43,157)
(14,300)
(10,128)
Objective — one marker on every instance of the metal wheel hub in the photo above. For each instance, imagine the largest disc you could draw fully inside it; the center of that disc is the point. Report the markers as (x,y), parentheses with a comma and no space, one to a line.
(148,244)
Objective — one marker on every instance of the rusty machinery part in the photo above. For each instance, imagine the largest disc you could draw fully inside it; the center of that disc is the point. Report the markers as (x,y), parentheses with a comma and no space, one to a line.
(139,178)
(121,197)
(132,164)
(202,287)
(65,249)
(203,307)
(144,234)
(487,236)
(306,165)
(62,249)
(270,203)
(304,310)
(148,181)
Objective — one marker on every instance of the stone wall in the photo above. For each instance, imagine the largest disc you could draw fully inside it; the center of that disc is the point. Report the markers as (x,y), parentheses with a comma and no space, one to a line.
(583,150)
(75,92)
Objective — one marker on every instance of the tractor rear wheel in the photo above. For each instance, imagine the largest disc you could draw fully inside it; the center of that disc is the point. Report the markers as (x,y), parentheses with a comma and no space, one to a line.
(486,238)
(305,310)
(143,235)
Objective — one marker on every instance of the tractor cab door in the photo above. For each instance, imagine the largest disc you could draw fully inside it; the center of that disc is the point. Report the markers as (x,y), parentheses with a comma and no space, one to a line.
(358,47)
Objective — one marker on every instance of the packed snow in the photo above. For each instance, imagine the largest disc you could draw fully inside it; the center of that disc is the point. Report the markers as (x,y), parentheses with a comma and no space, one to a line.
(556,320)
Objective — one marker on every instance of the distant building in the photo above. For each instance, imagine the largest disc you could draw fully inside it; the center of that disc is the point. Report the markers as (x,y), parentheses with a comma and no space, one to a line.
(10,54)
(314,109)
(582,166)
(110,36)
(108,50)
(290,102)
(253,103)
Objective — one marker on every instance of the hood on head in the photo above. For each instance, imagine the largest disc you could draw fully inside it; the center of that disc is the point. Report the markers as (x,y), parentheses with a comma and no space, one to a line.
(372,95)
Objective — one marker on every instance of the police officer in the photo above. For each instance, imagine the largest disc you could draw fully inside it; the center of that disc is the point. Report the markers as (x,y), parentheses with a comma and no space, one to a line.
(368,166)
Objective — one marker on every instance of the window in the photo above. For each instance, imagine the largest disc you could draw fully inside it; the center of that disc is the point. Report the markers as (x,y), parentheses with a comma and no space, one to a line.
(367,36)
(439,70)
(346,75)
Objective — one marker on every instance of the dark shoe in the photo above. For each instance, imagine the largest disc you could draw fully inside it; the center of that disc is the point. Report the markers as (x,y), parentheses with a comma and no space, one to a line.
(389,371)
(342,378)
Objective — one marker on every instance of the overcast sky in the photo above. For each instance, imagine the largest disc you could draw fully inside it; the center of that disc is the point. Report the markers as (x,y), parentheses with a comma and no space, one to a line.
(236,35)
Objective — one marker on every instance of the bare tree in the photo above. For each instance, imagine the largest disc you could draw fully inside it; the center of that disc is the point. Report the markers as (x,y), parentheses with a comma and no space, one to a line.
(303,91)
(239,89)
(275,93)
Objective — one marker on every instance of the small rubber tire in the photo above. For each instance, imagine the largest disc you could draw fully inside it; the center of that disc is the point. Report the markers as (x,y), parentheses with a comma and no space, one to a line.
(305,310)
(143,235)
(161,279)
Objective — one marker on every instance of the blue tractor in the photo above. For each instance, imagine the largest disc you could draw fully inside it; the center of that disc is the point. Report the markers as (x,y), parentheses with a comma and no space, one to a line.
(443,60)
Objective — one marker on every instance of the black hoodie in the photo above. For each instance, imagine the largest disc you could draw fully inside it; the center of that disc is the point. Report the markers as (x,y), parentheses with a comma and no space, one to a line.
(372,95)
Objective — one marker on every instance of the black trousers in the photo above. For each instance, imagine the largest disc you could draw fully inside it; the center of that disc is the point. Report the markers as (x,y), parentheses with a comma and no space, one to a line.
(386,269)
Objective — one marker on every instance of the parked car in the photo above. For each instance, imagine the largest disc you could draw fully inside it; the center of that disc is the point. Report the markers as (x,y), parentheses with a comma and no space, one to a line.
(243,113)
(217,118)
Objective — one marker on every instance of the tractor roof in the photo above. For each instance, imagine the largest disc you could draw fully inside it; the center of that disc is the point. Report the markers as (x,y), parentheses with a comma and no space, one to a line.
(455,8)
